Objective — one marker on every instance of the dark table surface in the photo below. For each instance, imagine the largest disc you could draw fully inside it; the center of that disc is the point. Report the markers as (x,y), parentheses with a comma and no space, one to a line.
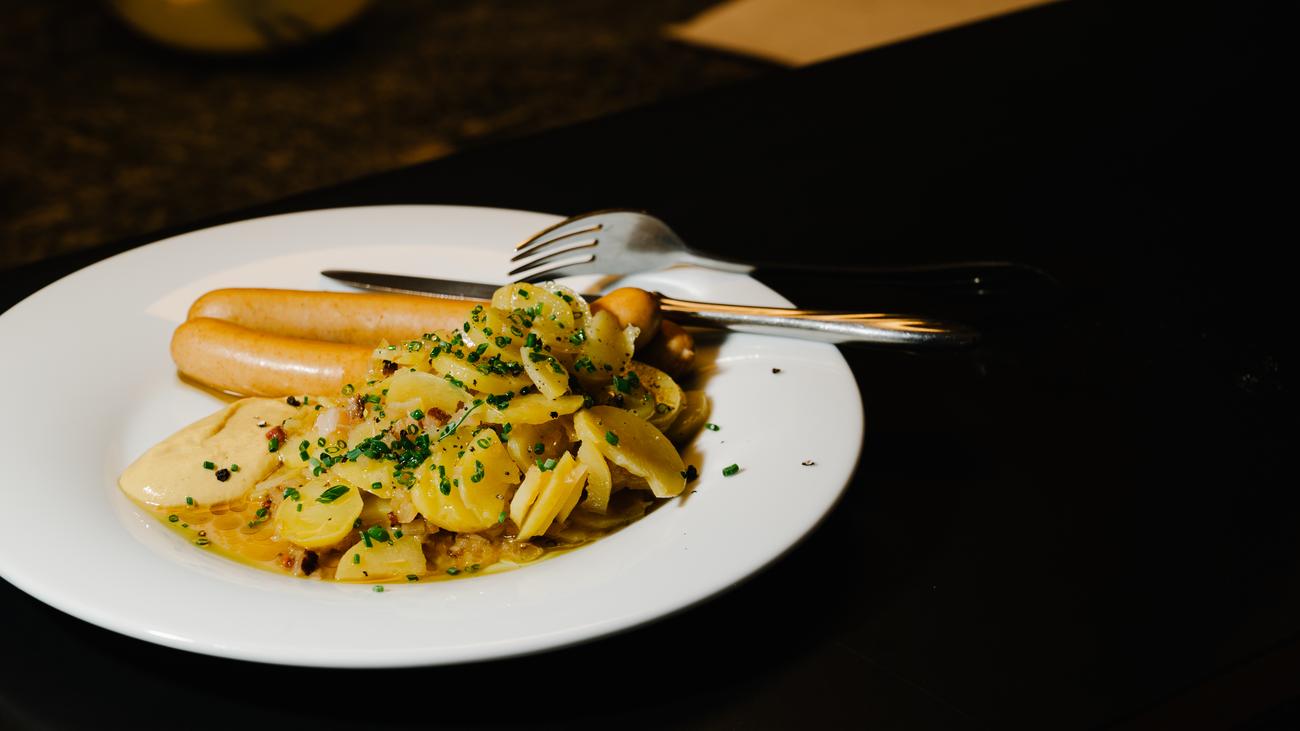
(1083,522)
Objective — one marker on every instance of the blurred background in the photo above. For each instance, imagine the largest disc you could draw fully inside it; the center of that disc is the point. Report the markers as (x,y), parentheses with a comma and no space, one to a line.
(124,117)
(109,133)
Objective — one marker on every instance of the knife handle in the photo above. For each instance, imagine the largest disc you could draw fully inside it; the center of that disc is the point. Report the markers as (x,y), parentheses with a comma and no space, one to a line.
(874,328)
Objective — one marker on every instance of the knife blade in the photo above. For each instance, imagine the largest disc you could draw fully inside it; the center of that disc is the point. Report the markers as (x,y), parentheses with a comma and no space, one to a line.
(830,326)
(404,284)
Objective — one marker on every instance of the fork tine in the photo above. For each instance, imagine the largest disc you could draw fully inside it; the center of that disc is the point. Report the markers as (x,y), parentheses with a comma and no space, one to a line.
(556,271)
(545,238)
(577,246)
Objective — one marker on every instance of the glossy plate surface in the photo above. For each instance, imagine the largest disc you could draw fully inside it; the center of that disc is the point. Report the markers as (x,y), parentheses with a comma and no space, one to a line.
(92,386)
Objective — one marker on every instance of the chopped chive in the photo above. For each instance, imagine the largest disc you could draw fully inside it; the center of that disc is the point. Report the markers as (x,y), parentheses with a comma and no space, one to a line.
(189,500)
(356,558)
(173,517)
(332,494)
(417,414)
(208,465)
(501,518)
(711,426)
(612,438)
(452,571)
(538,448)
(234,468)
(730,470)
(379,590)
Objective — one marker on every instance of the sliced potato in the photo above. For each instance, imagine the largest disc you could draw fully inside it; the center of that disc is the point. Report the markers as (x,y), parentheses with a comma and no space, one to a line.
(665,391)
(535,408)
(598,479)
(635,445)
(524,438)
(468,375)
(396,558)
(487,475)
(364,473)
(546,373)
(608,350)
(578,480)
(693,413)
(526,494)
(424,391)
(323,520)
(538,304)
(444,510)
(556,487)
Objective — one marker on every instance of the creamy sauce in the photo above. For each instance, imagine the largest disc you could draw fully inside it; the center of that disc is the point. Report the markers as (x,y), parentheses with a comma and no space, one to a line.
(173,471)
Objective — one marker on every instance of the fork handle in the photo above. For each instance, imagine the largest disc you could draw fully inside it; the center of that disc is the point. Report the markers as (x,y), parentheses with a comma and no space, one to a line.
(826,325)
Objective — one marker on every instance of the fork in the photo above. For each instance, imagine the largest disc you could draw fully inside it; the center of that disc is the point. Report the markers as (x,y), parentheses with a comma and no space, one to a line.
(623,241)
(637,242)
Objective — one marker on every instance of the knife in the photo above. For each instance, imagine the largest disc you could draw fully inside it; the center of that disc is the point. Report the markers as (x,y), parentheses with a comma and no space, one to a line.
(403,284)
(873,328)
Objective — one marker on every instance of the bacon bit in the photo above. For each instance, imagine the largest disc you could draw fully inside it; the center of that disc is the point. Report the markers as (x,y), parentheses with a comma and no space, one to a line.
(286,561)
(277,433)
(309,562)
(357,407)
(392,520)
(389,368)
(437,415)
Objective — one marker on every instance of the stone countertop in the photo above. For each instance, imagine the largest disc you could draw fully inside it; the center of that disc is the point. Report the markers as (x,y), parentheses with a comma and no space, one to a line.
(107,135)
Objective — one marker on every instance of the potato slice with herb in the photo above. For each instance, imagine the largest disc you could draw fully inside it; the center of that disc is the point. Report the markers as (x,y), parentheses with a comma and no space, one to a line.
(535,408)
(534,304)
(634,444)
(487,475)
(528,443)
(466,375)
(390,558)
(364,473)
(424,391)
(546,372)
(557,485)
(320,514)
(437,495)
(607,350)
(666,393)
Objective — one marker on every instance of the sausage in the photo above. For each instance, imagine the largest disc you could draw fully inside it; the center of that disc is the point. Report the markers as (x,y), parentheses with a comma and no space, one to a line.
(280,342)
(360,318)
(672,352)
(232,358)
(632,306)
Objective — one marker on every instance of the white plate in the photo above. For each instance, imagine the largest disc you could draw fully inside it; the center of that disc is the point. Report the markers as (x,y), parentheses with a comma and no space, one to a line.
(91,386)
